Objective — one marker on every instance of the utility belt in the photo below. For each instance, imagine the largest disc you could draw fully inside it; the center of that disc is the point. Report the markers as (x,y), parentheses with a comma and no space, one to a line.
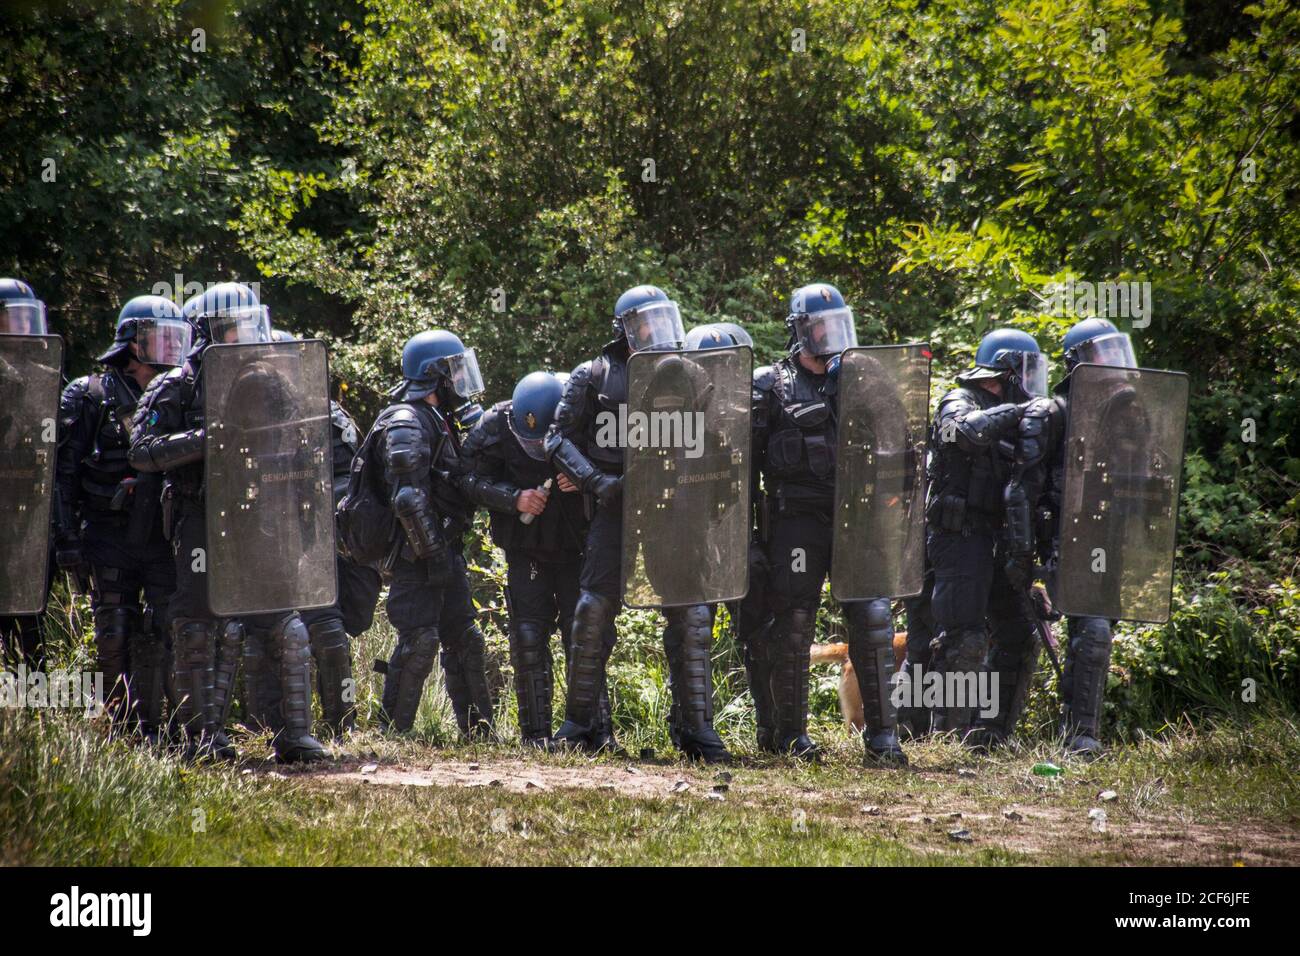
(956,514)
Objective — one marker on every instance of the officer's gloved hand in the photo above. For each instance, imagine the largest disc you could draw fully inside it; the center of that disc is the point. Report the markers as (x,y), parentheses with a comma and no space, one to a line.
(1020,571)
(607,488)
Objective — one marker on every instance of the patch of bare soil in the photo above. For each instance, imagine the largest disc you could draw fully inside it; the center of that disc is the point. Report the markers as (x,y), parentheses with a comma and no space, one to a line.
(521,776)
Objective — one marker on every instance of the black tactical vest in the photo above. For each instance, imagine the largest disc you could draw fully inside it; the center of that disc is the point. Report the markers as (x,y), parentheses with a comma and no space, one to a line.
(111,401)
(966,490)
(801,440)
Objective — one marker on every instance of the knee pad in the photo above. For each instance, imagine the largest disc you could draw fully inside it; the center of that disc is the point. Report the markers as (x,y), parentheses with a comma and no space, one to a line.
(1091,639)
(114,624)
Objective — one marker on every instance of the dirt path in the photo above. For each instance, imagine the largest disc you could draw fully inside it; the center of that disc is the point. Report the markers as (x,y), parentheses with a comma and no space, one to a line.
(946,821)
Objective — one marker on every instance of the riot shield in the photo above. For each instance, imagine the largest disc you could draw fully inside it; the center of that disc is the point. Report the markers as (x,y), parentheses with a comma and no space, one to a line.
(269,481)
(878,547)
(686,477)
(31,371)
(1119,508)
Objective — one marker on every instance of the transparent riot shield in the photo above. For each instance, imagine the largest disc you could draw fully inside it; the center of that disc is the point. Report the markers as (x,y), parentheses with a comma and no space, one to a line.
(879,538)
(269,482)
(686,477)
(31,373)
(1119,510)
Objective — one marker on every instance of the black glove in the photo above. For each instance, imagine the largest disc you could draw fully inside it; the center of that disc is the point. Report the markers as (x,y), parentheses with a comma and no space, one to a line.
(607,488)
(1019,569)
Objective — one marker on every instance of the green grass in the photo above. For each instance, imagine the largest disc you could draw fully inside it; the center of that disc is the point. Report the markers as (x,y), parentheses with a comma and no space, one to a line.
(70,795)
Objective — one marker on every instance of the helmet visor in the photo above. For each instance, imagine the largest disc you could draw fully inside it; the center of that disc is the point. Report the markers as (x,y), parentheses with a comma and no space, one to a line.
(824,333)
(22,317)
(463,374)
(1033,373)
(1115,349)
(162,341)
(533,447)
(241,324)
(655,325)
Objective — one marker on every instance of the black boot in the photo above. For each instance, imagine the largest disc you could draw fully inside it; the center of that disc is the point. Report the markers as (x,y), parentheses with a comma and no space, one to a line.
(1083,686)
(334,683)
(1014,666)
(690,661)
(792,639)
(291,648)
(147,656)
(464,668)
(959,652)
(193,650)
(261,697)
(588,652)
(408,669)
(871,650)
(114,625)
(229,649)
(530,653)
(759,673)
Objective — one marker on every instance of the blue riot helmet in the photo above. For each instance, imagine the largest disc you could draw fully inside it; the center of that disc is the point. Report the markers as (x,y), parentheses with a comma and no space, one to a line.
(154,325)
(1012,356)
(226,313)
(532,410)
(438,360)
(1097,342)
(649,319)
(820,323)
(21,313)
(718,335)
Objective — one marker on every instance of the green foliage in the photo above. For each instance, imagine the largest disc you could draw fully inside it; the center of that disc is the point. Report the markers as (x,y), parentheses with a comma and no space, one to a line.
(384,166)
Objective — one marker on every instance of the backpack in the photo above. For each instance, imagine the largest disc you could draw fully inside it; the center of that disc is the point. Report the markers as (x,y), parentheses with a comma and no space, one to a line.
(367,526)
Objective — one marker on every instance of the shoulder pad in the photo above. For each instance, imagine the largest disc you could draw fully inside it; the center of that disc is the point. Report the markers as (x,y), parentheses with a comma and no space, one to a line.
(486,432)
(584,375)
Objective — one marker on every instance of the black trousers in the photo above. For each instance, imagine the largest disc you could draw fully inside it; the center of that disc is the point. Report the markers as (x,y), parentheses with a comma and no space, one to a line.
(127,575)
(602,558)
(971,587)
(415,603)
(543,588)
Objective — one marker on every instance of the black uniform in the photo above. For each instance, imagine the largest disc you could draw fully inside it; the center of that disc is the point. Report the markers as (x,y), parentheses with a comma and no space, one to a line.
(794,422)
(109,523)
(433,496)
(354,610)
(167,437)
(973,445)
(595,387)
(543,566)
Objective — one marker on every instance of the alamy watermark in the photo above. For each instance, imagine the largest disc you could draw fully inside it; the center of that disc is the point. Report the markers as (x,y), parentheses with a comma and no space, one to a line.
(957,690)
(53,690)
(1081,298)
(674,429)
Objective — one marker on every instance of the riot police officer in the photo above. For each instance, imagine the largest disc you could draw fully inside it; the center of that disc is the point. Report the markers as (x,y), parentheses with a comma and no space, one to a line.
(108,520)
(21,313)
(794,421)
(644,319)
(328,628)
(1087,659)
(168,437)
(432,495)
(978,592)
(542,537)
